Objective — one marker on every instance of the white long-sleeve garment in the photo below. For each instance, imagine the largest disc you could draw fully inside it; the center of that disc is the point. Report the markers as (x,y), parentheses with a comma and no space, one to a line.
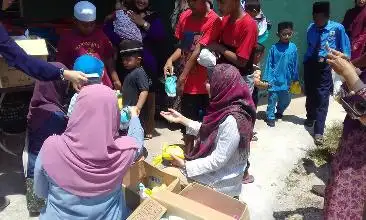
(223,168)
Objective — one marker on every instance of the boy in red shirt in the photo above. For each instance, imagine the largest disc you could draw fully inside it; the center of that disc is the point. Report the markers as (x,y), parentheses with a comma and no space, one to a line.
(85,39)
(197,27)
(238,42)
(238,38)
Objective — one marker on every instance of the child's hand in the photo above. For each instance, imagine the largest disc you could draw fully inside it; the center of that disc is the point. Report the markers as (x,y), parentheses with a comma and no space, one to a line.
(168,68)
(117,85)
(135,112)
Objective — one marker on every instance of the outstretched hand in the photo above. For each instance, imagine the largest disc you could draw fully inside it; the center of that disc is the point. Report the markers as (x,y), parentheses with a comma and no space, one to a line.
(172,116)
(340,64)
(77,78)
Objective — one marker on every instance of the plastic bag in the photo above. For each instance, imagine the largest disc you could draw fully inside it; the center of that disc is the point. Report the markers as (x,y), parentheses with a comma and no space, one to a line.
(171,86)
(206,58)
(125,118)
(295,88)
(166,153)
(337,82)
(120,99)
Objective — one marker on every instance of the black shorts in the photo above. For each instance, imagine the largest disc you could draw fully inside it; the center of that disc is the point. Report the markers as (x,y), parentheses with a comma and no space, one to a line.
(194,107)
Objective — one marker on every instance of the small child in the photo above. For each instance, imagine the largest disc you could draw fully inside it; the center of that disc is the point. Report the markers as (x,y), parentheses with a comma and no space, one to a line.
(86,39)
(93,69)
(136,82)
(258,57)
(281,71)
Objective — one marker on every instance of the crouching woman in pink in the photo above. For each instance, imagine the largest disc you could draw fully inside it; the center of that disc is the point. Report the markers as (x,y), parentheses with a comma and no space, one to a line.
(80,172)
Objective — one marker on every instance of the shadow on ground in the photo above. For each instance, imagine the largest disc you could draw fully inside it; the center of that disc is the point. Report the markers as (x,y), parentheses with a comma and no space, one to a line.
(11,168)
(309,213)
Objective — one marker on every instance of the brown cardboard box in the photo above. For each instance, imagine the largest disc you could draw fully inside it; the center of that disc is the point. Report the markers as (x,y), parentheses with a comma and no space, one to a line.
(142,172)
(195,202)
(11,77)
(215,200)
(149,209)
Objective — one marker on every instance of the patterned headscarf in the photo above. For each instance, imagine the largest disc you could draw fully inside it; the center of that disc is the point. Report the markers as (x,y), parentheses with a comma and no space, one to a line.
(229,96)
(125,28)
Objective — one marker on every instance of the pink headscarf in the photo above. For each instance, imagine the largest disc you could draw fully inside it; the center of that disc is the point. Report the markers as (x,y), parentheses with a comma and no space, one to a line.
(88,159)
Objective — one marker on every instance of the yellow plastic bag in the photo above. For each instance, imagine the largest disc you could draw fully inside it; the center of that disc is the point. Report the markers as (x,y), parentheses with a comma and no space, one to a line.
(120,100)
(167,151)
(295,88)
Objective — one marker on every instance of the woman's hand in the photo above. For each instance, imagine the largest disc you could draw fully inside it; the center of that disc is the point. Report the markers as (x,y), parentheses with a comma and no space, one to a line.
(341,65)
(177,162)
(363,120)
(136,18)
(172,116)
(77,78)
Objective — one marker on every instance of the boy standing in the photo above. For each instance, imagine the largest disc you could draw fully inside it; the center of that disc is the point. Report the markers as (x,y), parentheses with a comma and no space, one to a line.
(321,35)
(197,27)
(136,83)
(281,71)
(239,36)
(85,39)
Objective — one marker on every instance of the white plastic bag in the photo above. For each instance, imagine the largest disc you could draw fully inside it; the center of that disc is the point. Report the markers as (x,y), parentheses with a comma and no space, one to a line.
(206,58)
(337,82)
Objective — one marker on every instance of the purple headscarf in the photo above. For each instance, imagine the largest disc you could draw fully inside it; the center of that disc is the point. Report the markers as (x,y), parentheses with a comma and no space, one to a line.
(88,159)
(355,25)
(229,96)
(47,98)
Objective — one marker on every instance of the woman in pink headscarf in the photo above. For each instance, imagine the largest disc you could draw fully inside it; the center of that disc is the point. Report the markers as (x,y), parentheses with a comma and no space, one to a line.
(80,172)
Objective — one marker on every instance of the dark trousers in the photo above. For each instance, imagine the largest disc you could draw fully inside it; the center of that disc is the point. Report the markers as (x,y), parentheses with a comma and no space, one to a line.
(318,88)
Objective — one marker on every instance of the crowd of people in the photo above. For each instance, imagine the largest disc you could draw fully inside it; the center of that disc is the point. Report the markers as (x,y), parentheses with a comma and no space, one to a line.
(75,159)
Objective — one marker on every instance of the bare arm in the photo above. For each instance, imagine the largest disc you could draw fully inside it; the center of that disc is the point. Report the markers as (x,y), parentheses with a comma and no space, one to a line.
(112,71)
(142,99)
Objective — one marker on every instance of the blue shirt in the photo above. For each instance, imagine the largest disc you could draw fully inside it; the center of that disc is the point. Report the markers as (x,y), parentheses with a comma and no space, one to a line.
(332,34)
(281,67)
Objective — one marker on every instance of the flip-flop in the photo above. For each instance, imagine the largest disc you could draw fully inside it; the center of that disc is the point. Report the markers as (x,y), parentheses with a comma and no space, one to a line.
(148,137)
(248,179)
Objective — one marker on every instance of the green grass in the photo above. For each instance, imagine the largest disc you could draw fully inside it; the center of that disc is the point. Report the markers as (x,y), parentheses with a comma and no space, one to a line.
(322,155)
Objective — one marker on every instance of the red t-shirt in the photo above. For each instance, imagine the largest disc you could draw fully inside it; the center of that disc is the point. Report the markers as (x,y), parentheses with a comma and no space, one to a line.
(191,31)
(240,36)
(73,45)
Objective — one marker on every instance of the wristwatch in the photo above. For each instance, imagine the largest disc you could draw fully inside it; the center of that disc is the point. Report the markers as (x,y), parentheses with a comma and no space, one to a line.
(62,70)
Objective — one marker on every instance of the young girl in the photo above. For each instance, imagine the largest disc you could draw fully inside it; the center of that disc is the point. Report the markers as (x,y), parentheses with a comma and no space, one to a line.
(80,172)
(46,117)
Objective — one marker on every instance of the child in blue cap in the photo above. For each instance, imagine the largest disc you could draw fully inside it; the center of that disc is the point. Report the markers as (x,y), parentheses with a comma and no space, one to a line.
(93,68)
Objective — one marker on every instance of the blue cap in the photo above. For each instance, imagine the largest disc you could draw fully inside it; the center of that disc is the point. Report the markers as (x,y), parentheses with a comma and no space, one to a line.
(89,65)
(85,11)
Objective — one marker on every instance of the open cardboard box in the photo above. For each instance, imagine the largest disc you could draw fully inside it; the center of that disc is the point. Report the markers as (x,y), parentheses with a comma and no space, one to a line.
(195,202)
(11,77)
(142,172)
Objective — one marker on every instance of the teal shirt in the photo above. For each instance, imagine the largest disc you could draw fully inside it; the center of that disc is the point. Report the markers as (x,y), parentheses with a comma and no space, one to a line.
(281,67)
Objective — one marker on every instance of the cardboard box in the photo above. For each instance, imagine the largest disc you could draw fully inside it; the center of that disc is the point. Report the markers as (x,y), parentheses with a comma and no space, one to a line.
(195,202)
(217,201)
(149,209)
(142,172)
(11,77)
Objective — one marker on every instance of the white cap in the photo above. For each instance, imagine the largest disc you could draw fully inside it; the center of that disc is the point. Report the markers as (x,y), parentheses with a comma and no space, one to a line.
(85,11)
